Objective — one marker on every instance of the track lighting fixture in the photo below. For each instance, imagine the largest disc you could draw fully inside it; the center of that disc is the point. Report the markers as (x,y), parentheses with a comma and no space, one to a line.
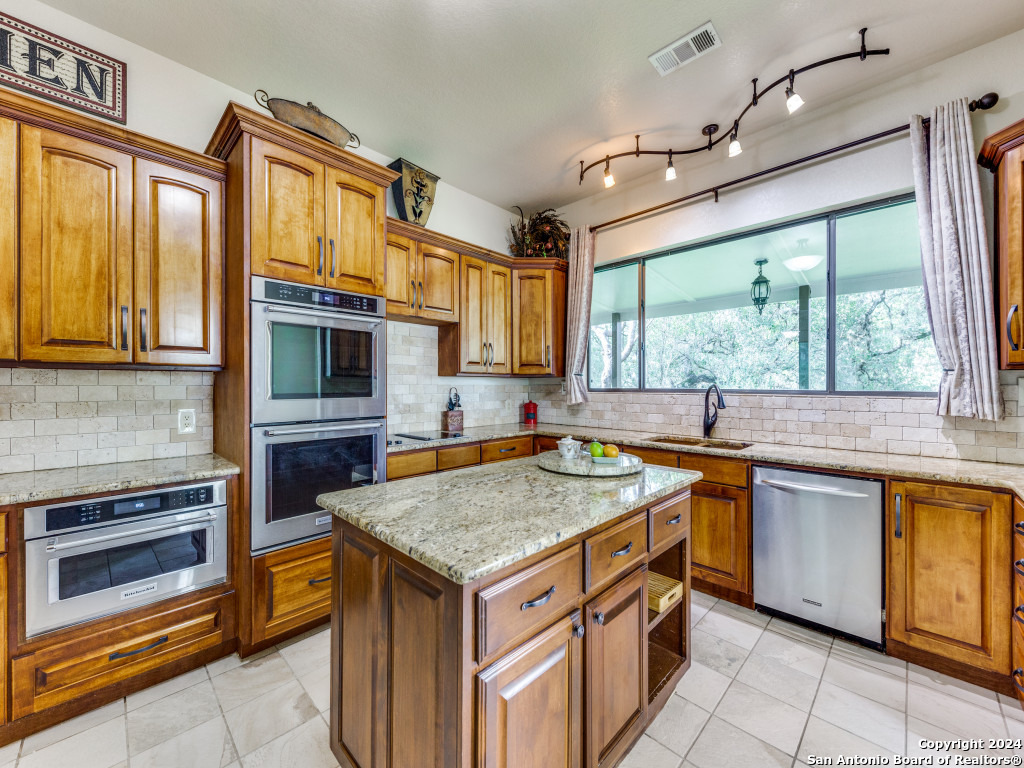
(793,103)
(793,100)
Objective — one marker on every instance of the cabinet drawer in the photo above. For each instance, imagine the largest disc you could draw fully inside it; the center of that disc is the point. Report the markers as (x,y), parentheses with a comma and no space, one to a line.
(501,450)
(295,585)
(457,456)
(409,464)
(513,608)
(68,670)
(720,471)
(652,456)
(1018,660)
(541,444)
(613,551)
(670,520)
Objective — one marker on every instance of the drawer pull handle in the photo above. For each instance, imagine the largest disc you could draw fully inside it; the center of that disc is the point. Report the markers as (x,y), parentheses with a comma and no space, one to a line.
(313,582)
(578,631)
(1018,567)
(599,617)
(675,520)
(1009,328)
(413,302)
(539,601)
(899,516)
(505,450)
(1018,528)
(124,326)
(320,263)
(118,655)
(624,551)
(1018,675)
(332,257)
(1018,613)
(143,328)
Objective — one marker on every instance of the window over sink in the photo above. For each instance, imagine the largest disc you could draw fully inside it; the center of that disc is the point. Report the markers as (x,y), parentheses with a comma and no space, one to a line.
(845,310)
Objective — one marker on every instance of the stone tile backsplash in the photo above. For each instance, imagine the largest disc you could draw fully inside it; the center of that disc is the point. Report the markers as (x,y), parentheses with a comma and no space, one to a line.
(51,419)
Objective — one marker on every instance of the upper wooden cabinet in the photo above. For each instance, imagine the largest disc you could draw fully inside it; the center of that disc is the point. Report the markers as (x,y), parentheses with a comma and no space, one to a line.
(438,283)
(949,580)
(422,279)
(480,344)
(400,288)
(8,239)
(179,266)
(76,250)
(1003,154)
(538,322)
(355,233)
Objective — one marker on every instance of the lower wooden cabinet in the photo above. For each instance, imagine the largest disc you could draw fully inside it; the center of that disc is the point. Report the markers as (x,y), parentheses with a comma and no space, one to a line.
(291,587)
(8,239)
(949,587)
(503,450)
(1017,621)
(528,702)
(67,670)
(616,669)
(721,536)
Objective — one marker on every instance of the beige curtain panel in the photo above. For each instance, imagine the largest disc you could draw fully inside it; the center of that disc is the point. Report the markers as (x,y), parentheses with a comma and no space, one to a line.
(955,262)
(581,286)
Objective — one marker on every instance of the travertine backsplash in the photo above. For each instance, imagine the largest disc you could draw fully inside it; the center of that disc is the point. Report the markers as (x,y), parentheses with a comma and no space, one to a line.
(417,395)
(67,418)
(898,425)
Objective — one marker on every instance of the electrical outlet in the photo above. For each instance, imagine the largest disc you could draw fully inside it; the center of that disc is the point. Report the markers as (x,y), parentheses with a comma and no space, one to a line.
(187,421)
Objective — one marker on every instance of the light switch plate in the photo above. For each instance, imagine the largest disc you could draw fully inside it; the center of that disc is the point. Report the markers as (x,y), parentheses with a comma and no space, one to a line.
(187,421)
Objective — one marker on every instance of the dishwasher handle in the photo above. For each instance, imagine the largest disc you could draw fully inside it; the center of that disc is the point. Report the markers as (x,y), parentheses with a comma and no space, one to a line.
(785,485)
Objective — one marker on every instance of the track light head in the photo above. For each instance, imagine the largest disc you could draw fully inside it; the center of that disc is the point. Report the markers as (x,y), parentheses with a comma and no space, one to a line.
(793,100)
(670,170)
(734,141)
(609,180)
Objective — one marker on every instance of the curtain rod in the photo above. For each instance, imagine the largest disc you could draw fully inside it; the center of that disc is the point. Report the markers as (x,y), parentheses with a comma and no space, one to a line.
(987,101)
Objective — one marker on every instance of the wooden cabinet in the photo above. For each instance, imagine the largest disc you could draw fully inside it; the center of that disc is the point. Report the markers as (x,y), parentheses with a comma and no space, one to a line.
(178,266)
(355,234)
(616,669)
(481,342)
(292,588)
(1017,650)
(503,450)
(8,239)
(538,327)
(76,250)
(721,536)
(614,551)
(422,281)
(1003,154)
(528,703)
(400,290)
(949,585)
(410,464)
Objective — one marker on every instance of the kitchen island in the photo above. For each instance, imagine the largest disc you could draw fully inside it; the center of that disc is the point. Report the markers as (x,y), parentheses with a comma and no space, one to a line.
(497,616)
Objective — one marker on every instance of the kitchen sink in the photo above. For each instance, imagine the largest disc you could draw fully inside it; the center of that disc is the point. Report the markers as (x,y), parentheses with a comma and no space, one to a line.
(700,442)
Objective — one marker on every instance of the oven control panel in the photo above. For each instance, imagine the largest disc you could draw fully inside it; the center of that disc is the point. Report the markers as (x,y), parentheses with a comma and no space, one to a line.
(121,508)
(304,295)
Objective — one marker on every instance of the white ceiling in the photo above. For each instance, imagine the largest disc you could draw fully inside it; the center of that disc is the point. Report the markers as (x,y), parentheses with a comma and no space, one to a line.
(503,99)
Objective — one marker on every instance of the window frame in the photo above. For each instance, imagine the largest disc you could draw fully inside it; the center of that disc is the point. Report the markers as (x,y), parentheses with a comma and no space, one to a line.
(829,218)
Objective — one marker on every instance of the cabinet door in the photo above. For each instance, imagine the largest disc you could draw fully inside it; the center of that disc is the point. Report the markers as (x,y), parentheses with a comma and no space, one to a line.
(499,318)
(720,534)
(179,266)
(291,587)
(616,663)
(8,240)
(949,584)
(474,353)
(438,284)
(528,703)
(400,291)
(355,234)
(1010,243)
(287,215)
(76,250)
(532,296)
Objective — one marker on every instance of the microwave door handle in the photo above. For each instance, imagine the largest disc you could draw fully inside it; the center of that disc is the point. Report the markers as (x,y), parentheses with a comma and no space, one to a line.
(323,315)
(56,545)
(312,430)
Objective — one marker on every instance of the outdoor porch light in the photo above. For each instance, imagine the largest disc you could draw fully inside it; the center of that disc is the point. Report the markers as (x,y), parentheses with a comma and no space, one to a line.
(760,288)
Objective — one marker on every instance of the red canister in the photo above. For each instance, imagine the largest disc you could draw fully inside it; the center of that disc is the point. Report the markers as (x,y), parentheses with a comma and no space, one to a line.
(530,413)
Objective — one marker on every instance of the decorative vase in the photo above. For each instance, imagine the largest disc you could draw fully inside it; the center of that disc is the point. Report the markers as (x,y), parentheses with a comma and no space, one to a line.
(413,191)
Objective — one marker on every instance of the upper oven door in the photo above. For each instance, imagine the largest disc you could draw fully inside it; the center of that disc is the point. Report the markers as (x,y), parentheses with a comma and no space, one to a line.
(309,365)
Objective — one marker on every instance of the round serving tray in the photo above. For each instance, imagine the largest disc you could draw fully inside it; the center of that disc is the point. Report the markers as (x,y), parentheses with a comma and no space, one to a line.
(627,464)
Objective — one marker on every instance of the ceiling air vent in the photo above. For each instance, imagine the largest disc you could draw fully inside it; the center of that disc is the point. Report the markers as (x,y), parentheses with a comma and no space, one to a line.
(686,49)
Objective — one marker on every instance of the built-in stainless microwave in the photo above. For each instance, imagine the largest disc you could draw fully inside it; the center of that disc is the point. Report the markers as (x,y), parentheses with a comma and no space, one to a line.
(317,355)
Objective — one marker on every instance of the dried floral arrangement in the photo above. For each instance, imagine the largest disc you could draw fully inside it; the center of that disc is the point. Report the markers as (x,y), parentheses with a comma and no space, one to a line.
(542,235)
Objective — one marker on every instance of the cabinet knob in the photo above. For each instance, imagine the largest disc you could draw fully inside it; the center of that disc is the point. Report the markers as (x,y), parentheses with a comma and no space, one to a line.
(599,618)
(578,631)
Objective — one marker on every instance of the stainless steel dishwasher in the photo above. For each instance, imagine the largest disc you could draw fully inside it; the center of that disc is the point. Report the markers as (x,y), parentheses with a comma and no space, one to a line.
(818,549)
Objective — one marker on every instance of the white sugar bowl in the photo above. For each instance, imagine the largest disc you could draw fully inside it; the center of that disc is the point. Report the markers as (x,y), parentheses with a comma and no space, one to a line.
(569,448)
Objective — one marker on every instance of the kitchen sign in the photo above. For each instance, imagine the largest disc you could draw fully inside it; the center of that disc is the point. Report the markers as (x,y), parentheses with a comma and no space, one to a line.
(47,65)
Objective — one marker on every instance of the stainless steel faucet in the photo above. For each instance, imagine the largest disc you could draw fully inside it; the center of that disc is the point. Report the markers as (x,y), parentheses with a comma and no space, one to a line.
(710,419)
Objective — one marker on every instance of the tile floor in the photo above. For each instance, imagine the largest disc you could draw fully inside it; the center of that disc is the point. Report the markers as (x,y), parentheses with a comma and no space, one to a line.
(760,693)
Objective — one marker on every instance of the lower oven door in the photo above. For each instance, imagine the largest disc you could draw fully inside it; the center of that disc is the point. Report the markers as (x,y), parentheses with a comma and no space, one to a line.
(292,465)
(81,576)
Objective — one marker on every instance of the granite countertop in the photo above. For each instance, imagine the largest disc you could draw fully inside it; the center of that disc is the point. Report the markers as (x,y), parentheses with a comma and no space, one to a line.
(472,522)
(20,487)
(990,474)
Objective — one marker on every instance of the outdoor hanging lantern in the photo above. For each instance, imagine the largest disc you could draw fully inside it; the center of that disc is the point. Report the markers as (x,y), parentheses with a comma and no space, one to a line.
(760,288)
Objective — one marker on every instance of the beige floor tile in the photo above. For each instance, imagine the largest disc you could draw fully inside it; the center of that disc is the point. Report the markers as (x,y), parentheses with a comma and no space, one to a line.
(323,628)
(317,685)
(872,658)
(743,614)
(312,652)
(953,714)
(9,752)
(697,612)
(919,732)
(769,719)
(972,694)
(1015,728)
(208,745)
(252,679)
(722,745)
(220,666)
(307,746)
(868,719)
(727,625)
(801,633)
(266,717)
(793,652)
(678,725)
(720,655)
(100,746)
(1011,708)
(166,688)
(702,599)
(647,753)
(165,718)
(823,739)
(703,686)
(70,727)
(867,681)
(779,681)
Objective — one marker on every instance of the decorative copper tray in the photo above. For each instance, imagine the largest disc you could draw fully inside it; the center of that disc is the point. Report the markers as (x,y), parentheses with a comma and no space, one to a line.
(309,119)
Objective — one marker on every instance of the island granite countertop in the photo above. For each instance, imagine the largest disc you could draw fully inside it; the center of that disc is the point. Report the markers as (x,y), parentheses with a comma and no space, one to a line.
(472,522)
